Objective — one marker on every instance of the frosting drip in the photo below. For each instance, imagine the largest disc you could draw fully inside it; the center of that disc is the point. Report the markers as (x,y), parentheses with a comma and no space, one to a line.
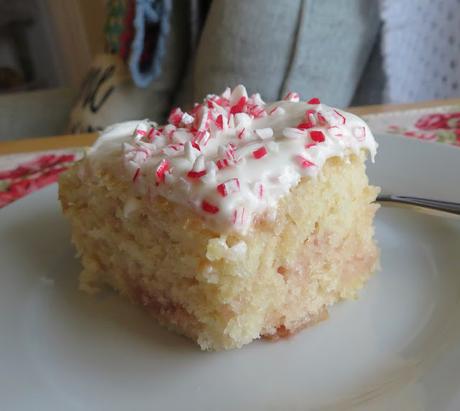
(233,156)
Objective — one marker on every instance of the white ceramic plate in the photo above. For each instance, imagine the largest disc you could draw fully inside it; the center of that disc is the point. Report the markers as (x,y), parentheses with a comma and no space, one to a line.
(396,348)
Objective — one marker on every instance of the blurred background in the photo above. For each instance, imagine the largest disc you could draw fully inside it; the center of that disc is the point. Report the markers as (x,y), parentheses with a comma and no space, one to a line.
(46,48)
(70,66)
(46,44)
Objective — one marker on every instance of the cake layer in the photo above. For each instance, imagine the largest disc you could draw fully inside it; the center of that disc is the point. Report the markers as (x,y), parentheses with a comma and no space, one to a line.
(225,288)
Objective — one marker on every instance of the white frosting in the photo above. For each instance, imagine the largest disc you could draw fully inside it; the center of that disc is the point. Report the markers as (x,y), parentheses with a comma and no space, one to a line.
(233,156)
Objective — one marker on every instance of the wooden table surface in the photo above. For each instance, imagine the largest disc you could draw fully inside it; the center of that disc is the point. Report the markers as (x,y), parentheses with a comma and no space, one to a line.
(81,140)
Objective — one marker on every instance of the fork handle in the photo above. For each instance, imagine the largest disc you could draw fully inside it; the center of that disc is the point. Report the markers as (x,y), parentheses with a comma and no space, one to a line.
(423,204)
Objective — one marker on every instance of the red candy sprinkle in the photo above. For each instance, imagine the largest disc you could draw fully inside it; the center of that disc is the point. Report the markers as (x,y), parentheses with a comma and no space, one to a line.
(151,134)
(292,96)
(201,137)
(230,151)
(136,175)
(209,208)
(303,162)
(202,119)
(305,125)
(223,102)
(259,188)
(317,135)
(259,153)
(175,147)
(310,114)
(195,145)
(241,133)
(359,133)
(256,111)
(169,131)
(222,190)
(175,117)
(195,109)
(314,100)
(162,168)
(229,187)
(322,120)
(239,106)
(222,163)
(220,121)
(342,118)
(335,131)
(140,132)
(196,174)
(238,216)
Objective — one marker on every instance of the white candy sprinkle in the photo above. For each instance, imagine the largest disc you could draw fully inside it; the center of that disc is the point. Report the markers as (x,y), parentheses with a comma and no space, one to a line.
(238,92)
(335,131)
(242,120)
(277,111)
(273,147)
(181,136)
(211,173)
(131,167)
(170,178)
(231,121)
(126,147)
(173,150)
(187,118)
(139,157)
(169,128)
(264,133)
(227,93)
(294,133)
(243,133)
(247,149)
(359,133)
(257,99)
(203,116)
(190,152)
(199,165)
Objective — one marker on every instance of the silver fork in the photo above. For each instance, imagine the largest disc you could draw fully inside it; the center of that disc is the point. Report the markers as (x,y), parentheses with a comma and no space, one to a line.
(426,205)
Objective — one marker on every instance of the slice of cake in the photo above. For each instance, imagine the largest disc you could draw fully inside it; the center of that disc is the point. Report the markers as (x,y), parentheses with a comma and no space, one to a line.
(236,221)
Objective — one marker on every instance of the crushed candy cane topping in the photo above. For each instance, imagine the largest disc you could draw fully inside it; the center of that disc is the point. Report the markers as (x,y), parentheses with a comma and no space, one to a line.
(233,156)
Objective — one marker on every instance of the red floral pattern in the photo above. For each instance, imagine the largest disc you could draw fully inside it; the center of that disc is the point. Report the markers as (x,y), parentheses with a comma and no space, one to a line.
(450,121)
(440,127)
(32,175)
(431,122)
